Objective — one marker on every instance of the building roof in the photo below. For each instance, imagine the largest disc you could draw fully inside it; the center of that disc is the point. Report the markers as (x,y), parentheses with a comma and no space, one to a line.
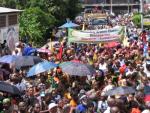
(8,10)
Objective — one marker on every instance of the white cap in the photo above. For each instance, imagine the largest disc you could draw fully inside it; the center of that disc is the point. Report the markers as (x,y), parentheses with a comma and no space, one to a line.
(83,96)
(52,105)
(146,111)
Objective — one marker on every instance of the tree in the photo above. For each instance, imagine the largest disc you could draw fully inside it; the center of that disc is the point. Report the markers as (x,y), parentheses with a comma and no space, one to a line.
(62,9)
(34,23)
(137,19)
(39,15)
(8,3)
(73,7)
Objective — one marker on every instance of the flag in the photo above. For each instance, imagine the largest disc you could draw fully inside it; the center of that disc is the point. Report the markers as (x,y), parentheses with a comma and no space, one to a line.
(83,27)
(59,55)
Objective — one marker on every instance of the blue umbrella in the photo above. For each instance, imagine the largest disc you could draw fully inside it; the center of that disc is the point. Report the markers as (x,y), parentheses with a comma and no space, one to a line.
(28,50)
(40,68)
(9,59)
(69,25)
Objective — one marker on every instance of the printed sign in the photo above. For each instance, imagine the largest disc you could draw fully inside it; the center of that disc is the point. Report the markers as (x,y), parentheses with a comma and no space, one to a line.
(104,35)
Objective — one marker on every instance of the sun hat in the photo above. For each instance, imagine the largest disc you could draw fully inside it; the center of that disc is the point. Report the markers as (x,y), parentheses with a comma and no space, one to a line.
(6,100)
(52,105)
(82,97)
(22,105)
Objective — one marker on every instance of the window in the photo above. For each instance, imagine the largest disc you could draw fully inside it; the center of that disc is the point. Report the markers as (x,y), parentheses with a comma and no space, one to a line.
(2,21)
(12,19)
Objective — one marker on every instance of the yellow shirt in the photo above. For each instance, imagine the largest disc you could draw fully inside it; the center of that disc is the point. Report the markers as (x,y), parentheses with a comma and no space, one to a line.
(67,95)
(95,57)
(73,103)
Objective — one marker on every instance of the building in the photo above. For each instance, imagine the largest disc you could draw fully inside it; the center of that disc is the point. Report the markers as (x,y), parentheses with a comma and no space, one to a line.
(147,5)
(116,6)
(9,27)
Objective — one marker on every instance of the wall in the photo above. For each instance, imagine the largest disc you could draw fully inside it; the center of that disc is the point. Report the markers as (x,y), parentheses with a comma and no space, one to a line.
(10,34)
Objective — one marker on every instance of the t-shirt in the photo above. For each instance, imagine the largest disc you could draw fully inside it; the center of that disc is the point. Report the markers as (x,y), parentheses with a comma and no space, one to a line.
(103,67)
(146,111)
(73,103)
(81,109)
(135,110)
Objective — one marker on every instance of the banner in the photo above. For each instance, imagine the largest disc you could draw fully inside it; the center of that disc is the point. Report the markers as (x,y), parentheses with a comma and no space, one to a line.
(102,35)
(95,15)
(146,21)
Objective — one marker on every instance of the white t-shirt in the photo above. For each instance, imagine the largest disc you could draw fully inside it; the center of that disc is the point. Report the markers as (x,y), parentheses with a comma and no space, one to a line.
(145,70)
(103,67)
(108,87)
(146,111)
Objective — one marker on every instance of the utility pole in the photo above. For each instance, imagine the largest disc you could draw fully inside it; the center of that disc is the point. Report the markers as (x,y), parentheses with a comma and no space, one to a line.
(128,6)
(141,11)
(111,8)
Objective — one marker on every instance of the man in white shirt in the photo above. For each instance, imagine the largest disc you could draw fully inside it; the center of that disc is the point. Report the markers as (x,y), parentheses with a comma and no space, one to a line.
(103,66)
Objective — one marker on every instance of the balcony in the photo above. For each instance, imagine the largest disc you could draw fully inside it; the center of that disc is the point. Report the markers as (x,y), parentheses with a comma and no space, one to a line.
(109,2)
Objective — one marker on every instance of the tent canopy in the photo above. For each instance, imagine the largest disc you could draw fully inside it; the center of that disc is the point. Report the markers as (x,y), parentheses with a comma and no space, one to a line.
(69,25)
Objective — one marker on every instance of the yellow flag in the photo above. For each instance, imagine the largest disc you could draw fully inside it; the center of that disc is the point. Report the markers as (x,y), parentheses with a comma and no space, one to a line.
(51,45)
(83,27)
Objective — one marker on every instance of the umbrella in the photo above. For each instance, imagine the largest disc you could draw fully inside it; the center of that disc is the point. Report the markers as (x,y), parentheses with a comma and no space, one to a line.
(78,61)
(147,90)
(120,91)
(111,44)
(147,98)
(28,51)
(20,61)
(76,68)
(23,61)
(9,59)
(40,68)
(41,50)
(32,52)
(69,25)
(8,88)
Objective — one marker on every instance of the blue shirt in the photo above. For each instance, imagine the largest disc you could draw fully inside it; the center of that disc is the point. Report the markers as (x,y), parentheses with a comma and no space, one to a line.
(81,108)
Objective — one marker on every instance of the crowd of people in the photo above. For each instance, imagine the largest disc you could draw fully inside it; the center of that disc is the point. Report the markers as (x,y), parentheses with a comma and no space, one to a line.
(58,92)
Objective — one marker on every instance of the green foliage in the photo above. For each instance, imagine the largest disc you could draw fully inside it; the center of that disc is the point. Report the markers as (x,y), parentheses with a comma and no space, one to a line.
(8,3)
(62,9)
(34,23)
(39,15)
(137,19)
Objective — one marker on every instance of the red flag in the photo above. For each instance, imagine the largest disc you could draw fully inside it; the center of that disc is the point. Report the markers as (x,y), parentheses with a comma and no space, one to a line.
(60,52)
